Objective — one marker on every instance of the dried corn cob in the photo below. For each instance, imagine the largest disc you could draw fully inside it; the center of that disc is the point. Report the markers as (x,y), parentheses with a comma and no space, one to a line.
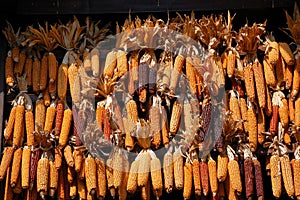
(10,124)
(8,193)
(44,72)
(65,127)
(16,166)
(191,76)
(252,129)
(95,59)
(62,81)
(110,64)
(50,115)
(132,179)
(259,83)
(291,108)
(69,155)
(212,171)
(274,120)
(100,114)
(164,127)
(196,177)
(188,176)
(118,166)
(296,173)
(233,168)
(178,66)
(29,125)
(269,73)
(156,177)
(235,109)
(284,113)
(280,72)
(287,175)
(18,126)
(90,175)
(132,112)
(129,140)
(9,70)
(70,174)
(53,178)
(25,165)
(222,167)
(36,70)
(101,178)
(258,179)
(297,112)
(275,175)
(35,156)
(57,157)
(74,82)
(260,126)
(154,118)
(40,115)
(20,65)
(43,176)
(249,177)
(5,161)
(286,53)
(249,82)
(53,67)
(59,117)
(243,109)
(78,157)
(144,169)
(178,170)
(168,169)
(273,53)
(175,117)
(231,59)
(204,177)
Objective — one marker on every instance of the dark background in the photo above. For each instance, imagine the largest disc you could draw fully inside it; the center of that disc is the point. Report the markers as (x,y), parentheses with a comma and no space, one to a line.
(27,12)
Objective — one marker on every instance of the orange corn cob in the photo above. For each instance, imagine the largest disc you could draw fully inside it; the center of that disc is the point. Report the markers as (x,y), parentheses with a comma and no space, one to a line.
(269,72)
(296,173)
(249,82)
(53,178)
(296,78)
(18,126)
(291,108)
(259,83)
(10,124)
(70,174)
(164,127)
(178,66)
(260,126)
(122,65)
(59,117)
(81,174)
(62,81)
(156,177)
(235,176)
(212,171)
(243,109)
(129,140)
(65,127)
(90,175)
(16,166)
(284,113)
(36,70)
(231,58)
(252,128)
(69,155)
(110,64)
(43,176)
(287,175)
(25,167)
(101,178)
(78,157)
(58,157)
(100,114)
(178,170)
(188,176)
(286,53)
(154,118)
(95,61)
(196,177)
(273,53)
(275,175)
(40,115)
(168,170)
(144,169)
(175,117)
(53,67)
(74,82)
(50,115)
(132,179)
(191,76)
(44,72)
(235,110)
(222,168)
(9,70)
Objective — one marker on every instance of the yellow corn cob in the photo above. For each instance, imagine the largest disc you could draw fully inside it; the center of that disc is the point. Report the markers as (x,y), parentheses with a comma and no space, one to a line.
(110,64)
(52,63)
(191,76)
(81,189)
(297,112)
(188,176)
(156,177)
(222,167)
(62,81)
(286,53)
(284,113)
(230,63)
(175,117)
(16,166)
(8,193)
(280,72)
(296,173)
(243,109)
(58,157)
(129,140)
(44,72)
(145,191)
(53,179)
(178,66)
(275,175)
(235,110)
(224,59)
(95,59)
(40,115)
(65,127)
(196,177)
(144,169)
(132,112)
(78,157)
(212,170)
(73,190)
(20,65)
(10,124)
(118,164)
(178,170)
(231,192)
(25,167)
(101,178)
(43,176)
(90,175)
(296,77)
(259,83)
(122,65)
(36,70)
(132,179)
(69,155)
(70,174)
(252,119)
(74,82)
(260,126)
(273,53)
(168,169)
(154,118)
(6,160)
(29,125)
(18,125)
(9,70)
(87,64)
(287,175)
(249,82)
(50,115)
(235,176)
(269,72)
(288,76)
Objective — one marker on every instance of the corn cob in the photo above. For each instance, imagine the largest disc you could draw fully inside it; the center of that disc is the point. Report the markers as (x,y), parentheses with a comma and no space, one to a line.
(204,177)
(258,179)
(287,175)
(196,177)
(284,113)
(25,165)
(132,179)
(164,127)
(178,170)
(249,177)
(252,129)
(243,109)
(190,74)
(274,120)
(5,161)
(273,53)
(296,173)
(286,53)
(19,66)
(132,112)
(260,126)
(18,125)
(110,64)
(156,177)
(40,115)
(291,108)
(53,67)
(16,166)
(53,178)
(280,72)
(81,189)
(57,157)
(175,117)
(178,66)
(35,156)
(289,76)
(9,70)
(231,59)
(8,193)
(235,110)
(95,59)
(78,157)
(74,82)
(188,176)
(101,178)
(144,169)
(122,65)
(145,191)
(69,156)
(36,70)
(106,124)
(43,176)
(249,82)
(18,187)
(62,81)
(269,107)
(46,97)
(129,140)
(70,174)
(110,177)
(231,193)
(269,72)
(259,83)
(212,171)
(235,176)
(59,117)
(81,174)
(154,118)
(65,127)
(10,124)
(118,164)
(50,115)
(275,175)
(100,114)
(44,72)
(168,169)
(90,175)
